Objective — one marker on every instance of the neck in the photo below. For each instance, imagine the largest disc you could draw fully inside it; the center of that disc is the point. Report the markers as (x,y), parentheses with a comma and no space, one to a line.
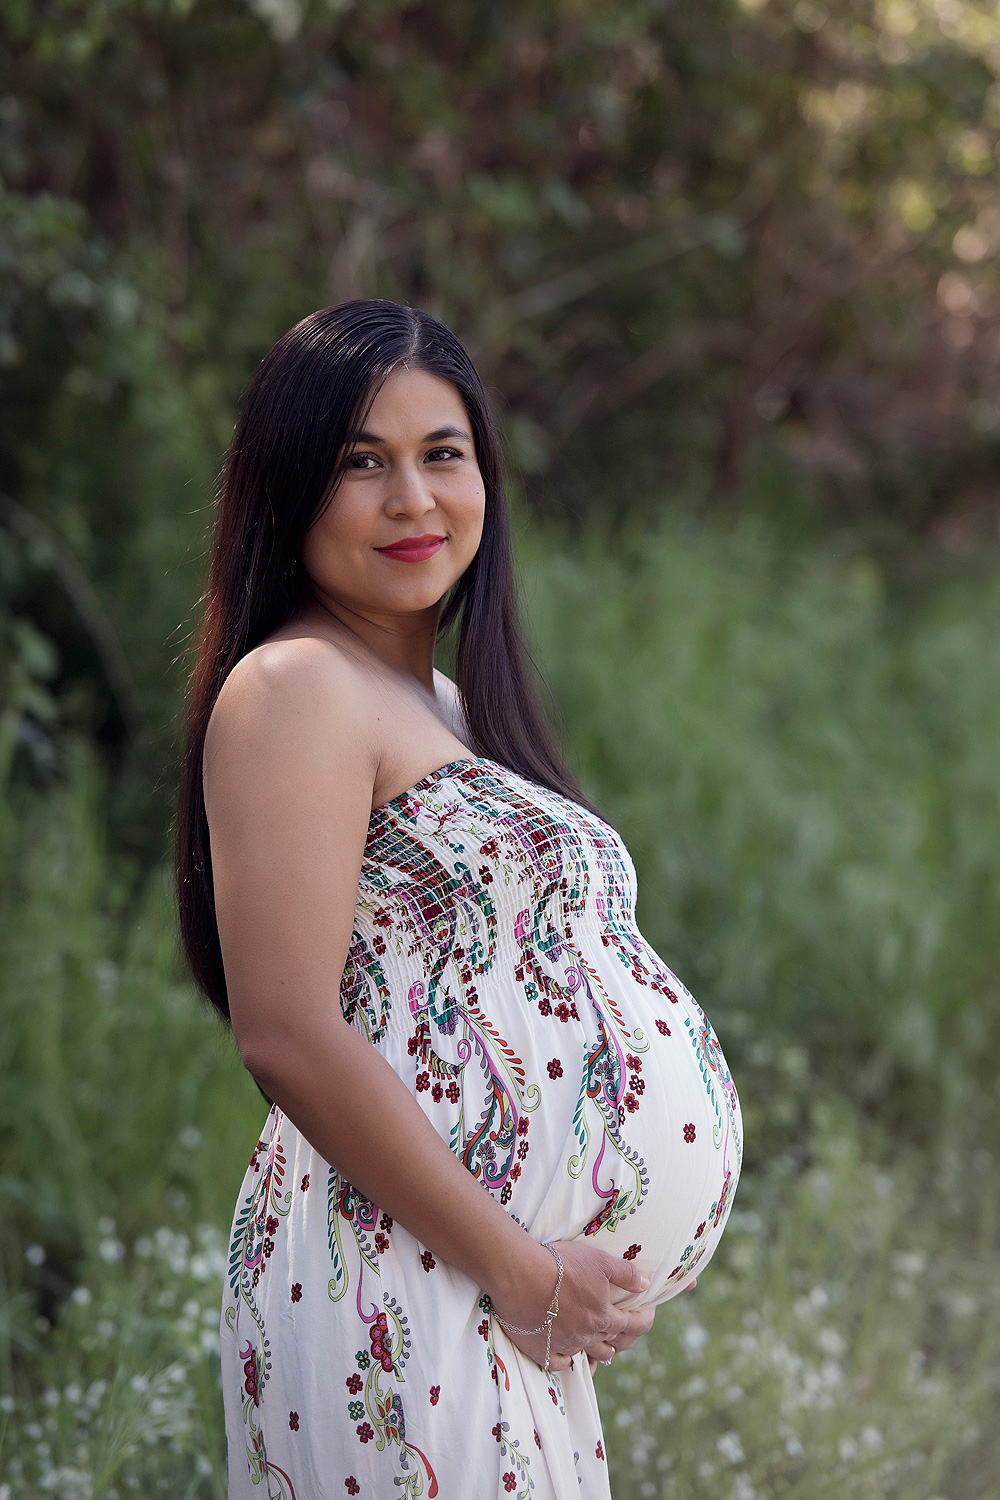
(405,643)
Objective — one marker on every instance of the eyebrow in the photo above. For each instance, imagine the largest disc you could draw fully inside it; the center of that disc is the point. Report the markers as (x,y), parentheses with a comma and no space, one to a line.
(437,436)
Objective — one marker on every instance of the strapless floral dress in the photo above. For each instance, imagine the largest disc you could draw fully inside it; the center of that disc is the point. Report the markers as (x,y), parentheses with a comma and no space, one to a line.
(496,965)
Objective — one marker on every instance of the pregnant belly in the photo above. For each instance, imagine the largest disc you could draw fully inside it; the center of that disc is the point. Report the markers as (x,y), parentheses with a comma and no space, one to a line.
(615,1122)
(663,1165)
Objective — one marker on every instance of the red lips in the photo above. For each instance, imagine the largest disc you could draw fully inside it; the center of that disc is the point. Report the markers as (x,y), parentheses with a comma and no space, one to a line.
(413,548)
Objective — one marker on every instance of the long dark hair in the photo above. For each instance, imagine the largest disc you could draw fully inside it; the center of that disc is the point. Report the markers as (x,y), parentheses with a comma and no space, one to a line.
(304,406)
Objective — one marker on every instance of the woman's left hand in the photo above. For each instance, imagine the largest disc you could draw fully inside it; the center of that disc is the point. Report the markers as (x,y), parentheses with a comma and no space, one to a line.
(640,1322)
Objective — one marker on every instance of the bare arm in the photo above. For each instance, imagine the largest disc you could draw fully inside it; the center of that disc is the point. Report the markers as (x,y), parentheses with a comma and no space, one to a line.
(289,769)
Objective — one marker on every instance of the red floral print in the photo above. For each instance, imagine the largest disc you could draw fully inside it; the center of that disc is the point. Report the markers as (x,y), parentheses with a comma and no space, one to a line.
(379,1335)
(249,1358)
(544,861)
(293,1420)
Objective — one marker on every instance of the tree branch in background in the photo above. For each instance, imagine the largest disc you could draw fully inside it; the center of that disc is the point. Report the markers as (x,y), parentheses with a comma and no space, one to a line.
(89,609)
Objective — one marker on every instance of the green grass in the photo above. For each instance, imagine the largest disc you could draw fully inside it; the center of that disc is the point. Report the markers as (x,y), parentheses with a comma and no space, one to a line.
(805,770)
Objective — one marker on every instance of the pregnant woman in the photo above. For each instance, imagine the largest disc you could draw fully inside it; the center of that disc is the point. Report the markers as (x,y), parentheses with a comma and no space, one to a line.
(501,1130)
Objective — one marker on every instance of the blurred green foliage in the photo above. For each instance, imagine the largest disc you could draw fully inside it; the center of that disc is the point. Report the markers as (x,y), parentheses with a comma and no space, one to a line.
(691,244)
(802,758)
(732,259)
(802,769)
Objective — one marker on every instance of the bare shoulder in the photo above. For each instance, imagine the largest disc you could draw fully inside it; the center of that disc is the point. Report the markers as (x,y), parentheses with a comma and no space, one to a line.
(287,697)
(451,702)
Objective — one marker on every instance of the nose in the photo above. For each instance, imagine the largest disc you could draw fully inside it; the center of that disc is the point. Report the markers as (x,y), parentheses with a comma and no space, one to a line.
(409,491)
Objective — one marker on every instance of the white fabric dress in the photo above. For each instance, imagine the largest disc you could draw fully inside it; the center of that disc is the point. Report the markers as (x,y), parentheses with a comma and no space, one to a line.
(496,965)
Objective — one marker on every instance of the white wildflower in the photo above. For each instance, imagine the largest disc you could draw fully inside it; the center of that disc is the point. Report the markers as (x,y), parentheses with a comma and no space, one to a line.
(731,1448)
(694,1338)
(831,1341)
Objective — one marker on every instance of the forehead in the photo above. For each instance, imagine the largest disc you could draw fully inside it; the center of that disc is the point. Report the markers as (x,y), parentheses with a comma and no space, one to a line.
(415,402)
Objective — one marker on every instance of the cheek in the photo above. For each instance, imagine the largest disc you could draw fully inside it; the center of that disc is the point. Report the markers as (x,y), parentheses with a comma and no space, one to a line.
(334,541)
(469,510)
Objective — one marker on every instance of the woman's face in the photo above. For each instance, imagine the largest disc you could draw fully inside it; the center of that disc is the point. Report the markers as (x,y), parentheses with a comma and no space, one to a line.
(405,520)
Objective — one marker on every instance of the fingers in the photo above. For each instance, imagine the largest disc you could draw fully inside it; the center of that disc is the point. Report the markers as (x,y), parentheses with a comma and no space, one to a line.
(602,1353)
(638,1322)
(626,1274)
(559,1362)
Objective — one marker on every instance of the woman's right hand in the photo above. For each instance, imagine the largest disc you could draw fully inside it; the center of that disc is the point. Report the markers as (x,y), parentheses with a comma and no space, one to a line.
(587,1316)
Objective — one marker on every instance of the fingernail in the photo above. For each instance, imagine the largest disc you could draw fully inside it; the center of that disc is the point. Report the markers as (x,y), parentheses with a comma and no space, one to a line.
(643,1282)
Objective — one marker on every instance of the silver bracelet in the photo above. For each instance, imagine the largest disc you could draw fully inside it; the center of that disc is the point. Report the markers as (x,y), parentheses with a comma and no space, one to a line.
(550,1316)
